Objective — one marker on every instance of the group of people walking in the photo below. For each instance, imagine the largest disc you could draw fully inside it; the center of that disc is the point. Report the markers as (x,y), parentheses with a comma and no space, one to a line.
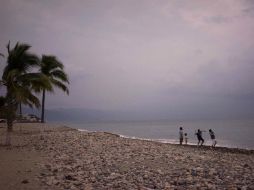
(183,137)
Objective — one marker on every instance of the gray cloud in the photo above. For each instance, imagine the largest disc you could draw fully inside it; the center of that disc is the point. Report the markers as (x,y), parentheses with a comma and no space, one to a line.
(218,19)
(163,56)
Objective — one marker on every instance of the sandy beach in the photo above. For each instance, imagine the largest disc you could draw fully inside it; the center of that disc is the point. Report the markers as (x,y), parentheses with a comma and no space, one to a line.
(46,156)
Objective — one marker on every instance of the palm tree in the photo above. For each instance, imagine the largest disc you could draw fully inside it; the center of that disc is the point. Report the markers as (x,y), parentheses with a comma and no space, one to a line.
(54,70)
(20,83)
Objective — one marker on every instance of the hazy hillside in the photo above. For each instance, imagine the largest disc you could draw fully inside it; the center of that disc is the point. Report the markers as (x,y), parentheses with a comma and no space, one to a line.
(88,115)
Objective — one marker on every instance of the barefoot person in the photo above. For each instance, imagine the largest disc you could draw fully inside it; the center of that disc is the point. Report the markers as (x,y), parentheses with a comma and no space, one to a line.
(200,138)
(212,135)
(181,135)
(185,138)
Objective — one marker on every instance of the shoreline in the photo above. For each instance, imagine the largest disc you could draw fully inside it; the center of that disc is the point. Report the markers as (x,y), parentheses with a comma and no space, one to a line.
(46,156)
(171,142)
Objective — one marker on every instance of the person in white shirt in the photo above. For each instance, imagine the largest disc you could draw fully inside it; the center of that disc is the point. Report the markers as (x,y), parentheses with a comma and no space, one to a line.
(212,135)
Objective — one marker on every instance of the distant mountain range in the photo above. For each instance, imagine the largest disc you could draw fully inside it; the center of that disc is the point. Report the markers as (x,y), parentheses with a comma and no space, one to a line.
(89,115)
(81,115)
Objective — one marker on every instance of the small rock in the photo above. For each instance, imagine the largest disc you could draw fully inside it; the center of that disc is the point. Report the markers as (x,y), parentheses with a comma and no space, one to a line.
(145,176)
(78,183)
(42,174)
(160,172)
(93,179)
(69,177)
(55,170)
(25,181)
(56,182)
(181,182)
(193,172)
(47,166)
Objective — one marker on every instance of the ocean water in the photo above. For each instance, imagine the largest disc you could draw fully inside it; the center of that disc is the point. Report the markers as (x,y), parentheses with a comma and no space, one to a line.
(234,133)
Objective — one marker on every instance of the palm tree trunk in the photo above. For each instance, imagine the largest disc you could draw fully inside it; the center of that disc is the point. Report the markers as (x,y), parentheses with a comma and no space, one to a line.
(10,118)
(42,106)
(20,109)
(8,136)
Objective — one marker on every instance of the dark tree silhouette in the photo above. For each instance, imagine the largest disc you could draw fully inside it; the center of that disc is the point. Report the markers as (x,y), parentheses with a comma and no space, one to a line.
(54,70)
(20,83)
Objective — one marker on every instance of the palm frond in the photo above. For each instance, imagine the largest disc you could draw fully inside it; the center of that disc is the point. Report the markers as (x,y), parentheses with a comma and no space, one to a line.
(2,83)
(32,100)
(60,74)
(8,47)
(24,95)
(19,58)
(54,70)
(37,81)
(60,85)
(10,76)
(49,63)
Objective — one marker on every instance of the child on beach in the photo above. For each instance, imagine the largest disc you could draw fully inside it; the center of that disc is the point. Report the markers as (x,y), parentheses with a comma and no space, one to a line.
(212,135)
(181,135)
(185,138)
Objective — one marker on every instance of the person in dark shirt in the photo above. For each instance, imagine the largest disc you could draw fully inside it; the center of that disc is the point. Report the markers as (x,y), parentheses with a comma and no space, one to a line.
(200,138)
(181,135)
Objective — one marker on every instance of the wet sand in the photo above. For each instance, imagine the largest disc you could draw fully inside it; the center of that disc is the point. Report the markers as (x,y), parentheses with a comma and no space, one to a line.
(58,157)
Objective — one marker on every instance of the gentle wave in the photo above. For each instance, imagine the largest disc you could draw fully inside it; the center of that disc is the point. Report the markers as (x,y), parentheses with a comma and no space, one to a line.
(169,141)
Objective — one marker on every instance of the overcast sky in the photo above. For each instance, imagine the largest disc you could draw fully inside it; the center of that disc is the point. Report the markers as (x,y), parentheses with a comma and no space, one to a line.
(188,55)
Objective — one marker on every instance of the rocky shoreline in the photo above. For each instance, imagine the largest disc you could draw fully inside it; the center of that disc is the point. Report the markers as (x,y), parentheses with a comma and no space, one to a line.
(98,160)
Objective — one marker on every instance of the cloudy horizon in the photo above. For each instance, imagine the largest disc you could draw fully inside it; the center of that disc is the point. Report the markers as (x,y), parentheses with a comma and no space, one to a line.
(155,57)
